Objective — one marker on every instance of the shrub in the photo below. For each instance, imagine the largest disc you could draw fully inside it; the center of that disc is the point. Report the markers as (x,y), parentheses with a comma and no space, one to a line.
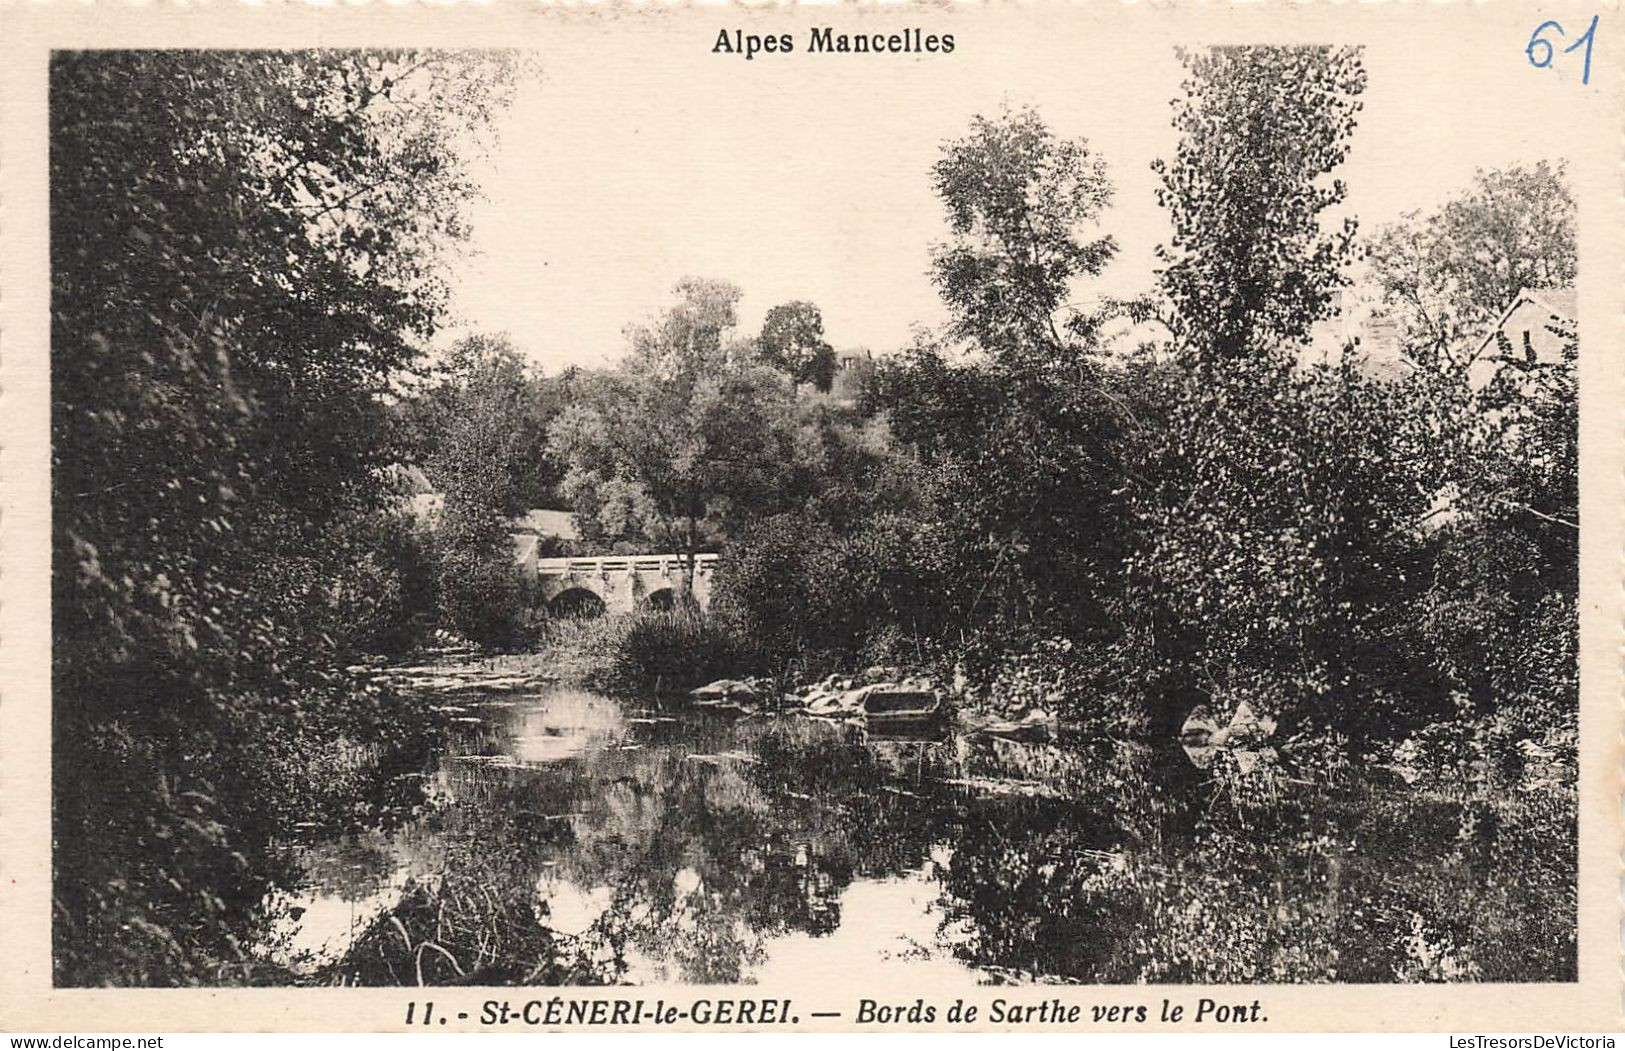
(154,882)
(815,600)
(482,597)
(481,594)
(1059,677)
(383,599)
(663,649)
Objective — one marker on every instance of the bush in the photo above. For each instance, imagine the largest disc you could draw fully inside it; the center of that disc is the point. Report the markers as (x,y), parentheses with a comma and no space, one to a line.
(1056,676)
(815,600)
(154,882)
(481,597)
(384,597)
(1276,543)
(663,650)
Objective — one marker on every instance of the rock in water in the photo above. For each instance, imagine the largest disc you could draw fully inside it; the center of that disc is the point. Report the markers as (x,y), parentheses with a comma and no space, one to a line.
(1246,736)
(880,674)
(1035,727)
(726,690)
(828,703)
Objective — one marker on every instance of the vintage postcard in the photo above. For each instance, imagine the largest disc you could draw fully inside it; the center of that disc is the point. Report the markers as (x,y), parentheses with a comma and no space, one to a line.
(1070,516)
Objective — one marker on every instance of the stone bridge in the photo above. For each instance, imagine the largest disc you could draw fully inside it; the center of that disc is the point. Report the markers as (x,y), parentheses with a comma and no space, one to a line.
(616,583)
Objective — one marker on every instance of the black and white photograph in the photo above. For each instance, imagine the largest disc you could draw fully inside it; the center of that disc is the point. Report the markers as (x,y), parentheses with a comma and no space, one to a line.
(837,501)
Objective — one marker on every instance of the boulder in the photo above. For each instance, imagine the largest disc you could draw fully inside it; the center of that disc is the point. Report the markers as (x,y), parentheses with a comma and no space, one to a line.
(876,700)
(1245,735)
(837,704)
(1036,726)
(879,674)
(727,690)
(828,684)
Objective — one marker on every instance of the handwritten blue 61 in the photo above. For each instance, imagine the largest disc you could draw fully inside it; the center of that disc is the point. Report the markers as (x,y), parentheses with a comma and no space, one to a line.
(1537,40)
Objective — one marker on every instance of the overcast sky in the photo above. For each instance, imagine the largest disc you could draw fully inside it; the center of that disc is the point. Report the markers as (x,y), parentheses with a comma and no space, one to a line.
(807,177)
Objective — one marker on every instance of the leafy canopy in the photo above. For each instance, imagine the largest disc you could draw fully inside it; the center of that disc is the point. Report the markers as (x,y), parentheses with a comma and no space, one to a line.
(1444,277)
(1250,267)
(689,434)
(1018,200)
(792,339)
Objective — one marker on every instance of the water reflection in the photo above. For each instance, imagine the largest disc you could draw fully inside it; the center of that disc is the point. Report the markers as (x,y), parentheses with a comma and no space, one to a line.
(642,846)
(576,839)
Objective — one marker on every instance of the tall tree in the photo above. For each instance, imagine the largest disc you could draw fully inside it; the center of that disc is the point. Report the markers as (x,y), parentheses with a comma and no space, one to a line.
(1021,439)
(1249,269)
(1270,506)
(792,339)
(687,436)
(490,462)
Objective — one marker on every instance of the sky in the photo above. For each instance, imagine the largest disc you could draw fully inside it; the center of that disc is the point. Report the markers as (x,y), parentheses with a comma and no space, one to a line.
(623,169)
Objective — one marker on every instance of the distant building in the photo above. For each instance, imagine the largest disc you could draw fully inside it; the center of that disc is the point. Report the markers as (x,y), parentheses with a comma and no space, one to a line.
(853,371)
(528,530)
(1527,325)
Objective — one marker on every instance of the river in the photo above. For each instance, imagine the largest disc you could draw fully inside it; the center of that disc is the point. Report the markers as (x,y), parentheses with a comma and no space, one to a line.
(677,845)
(572,838)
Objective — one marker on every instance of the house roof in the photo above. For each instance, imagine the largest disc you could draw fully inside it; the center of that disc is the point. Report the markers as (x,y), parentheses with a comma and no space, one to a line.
(1562,303)
(406,479)
(548,522)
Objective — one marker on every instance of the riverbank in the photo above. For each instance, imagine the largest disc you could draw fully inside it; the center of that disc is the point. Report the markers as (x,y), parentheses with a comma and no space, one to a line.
(1042,694)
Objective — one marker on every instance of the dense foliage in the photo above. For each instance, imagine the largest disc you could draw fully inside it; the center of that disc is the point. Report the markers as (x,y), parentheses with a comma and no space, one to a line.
(243,258)
(486,427)
(681,442)
(1226,508)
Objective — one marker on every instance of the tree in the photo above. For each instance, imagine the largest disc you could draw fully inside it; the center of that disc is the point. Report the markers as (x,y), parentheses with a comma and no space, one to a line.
(1019,441)
(687,436)
(1272,499)
(1446,276)
(277,218)
(1501,606)
(792,339)
(489,460)
(1249,270)
(1496,455)
(488,410)
(691,341)
(244,251)
(1017,199)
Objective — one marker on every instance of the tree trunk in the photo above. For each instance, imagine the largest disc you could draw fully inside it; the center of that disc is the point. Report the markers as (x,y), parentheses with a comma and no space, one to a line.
(691,546)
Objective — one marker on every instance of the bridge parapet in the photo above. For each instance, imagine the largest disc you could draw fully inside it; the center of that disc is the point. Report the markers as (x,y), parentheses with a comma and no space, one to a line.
(623,564)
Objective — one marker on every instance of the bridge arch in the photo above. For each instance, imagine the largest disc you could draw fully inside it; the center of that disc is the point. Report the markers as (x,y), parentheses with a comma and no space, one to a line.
(661,599)
(577,601)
